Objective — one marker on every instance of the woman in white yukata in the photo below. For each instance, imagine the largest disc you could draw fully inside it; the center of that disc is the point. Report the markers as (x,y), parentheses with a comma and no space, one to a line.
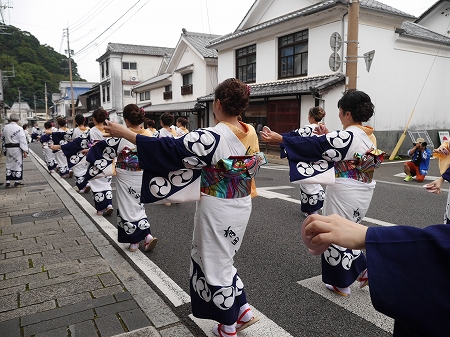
(132,221)
(47,142)
(311,195)
(345,160)
(79,170)
(100,187)
(61,160)
(211,166)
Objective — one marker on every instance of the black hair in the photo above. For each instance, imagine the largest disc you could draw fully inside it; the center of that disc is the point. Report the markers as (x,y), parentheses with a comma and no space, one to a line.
(166,118)
(233,95)
(358,103)
(134,114)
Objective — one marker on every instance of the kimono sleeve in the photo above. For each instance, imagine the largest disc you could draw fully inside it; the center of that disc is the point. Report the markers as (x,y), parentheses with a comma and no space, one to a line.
(61,138)
(100,158)
(311,159)
(172,166)
(409,275)
(72,150)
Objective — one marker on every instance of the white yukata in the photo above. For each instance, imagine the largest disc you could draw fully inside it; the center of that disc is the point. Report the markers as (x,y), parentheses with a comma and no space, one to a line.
(61,137)
(100,187)
(132,222)
(344,160)
(79,169)
(311,195)
(15,144)
(195,167)
(49,155)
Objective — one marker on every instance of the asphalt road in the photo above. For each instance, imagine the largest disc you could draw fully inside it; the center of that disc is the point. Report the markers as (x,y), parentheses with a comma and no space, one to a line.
(282,279)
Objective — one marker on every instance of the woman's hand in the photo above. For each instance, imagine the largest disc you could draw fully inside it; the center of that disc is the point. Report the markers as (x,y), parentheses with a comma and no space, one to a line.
(114,129)
(335,229)
(435,186)
(321,129)
(270,136)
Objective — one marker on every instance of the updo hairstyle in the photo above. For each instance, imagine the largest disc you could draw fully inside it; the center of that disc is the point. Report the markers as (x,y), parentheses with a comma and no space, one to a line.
(134,114)
(149,123)
(317,113)
(166,118)
(233,95)
(48,125)
(100,115)
(358,103)
(61,122)
(183,121)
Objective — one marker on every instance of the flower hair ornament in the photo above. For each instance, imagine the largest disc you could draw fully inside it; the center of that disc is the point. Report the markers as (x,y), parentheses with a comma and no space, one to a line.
(142,110)
(248,89)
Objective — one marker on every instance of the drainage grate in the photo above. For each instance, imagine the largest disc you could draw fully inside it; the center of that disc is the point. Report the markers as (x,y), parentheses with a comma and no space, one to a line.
(46,214)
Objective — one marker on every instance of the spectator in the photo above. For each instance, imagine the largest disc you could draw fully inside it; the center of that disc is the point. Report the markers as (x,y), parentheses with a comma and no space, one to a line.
(418,166)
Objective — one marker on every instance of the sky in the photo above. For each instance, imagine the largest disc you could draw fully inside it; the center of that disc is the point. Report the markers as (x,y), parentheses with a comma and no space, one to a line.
(93,23)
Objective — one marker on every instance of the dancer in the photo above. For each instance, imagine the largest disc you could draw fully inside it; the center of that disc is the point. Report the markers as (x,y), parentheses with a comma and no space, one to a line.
(61,136)
(311,195)
(210,166)
(47,152)
(403,261)
(166,121)
(15,148)
(345,160)
(132,222)
(181,126)
(80,167)
(150,125)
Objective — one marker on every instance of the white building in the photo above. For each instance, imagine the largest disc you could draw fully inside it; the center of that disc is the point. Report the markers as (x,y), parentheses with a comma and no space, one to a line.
(62,101)
(285,51)
(23,110)
(121,67)
(190,72)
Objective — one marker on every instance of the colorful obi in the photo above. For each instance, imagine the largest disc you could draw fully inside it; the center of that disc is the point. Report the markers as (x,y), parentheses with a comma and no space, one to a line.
(230,178)
(128,160)
(361,168)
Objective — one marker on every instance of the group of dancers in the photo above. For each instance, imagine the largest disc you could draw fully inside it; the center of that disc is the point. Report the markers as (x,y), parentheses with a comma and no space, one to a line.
(215,167)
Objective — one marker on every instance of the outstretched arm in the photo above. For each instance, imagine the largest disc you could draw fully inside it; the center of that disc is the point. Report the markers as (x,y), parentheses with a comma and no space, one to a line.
(270,136)
(335,229)
(115,129)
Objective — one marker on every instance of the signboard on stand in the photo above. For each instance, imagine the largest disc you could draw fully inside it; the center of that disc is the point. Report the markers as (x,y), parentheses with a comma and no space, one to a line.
(444,136)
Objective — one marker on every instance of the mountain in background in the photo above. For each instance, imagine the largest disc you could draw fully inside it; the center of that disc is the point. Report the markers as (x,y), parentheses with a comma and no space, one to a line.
(34,65)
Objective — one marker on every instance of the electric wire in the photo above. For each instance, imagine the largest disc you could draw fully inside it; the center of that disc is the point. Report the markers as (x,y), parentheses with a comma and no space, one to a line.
(90,13)
(108,27)
(88,19)
(87,52)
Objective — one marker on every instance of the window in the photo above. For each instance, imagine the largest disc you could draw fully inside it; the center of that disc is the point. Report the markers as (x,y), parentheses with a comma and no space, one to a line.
(127,93)
(167,92)
(129,65)
(187,89)
(103,69)
(107,94)
(103,95)
(107,67)
(246,64)
(293,55)
(144,96)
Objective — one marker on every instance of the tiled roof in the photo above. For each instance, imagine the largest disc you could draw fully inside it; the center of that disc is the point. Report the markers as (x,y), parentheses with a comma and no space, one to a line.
(199,41)
(295,86)
(137,49)
(414,30)
(369,4)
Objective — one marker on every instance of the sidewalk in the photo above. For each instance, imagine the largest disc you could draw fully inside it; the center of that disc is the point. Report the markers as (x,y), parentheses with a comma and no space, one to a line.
(60,275)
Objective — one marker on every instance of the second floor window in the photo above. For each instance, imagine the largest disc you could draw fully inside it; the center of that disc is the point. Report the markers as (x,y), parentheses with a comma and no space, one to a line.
(127,93)
(103,95)
(129,65)
(187,89)
(167,92)
(246,64)
(108,99)
(144,96)
(293,55)
(103,69)
(107,67)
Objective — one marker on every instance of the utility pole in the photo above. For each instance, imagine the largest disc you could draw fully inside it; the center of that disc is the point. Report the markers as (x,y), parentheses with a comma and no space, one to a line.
(46,108)
(20,110)
(69,52)
(352,44)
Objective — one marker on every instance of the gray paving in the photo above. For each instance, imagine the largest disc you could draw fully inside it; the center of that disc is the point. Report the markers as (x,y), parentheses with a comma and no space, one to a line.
(59,276)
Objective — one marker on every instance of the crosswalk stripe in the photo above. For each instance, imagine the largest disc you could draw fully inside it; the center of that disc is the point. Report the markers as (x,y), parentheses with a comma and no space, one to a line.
(358,302)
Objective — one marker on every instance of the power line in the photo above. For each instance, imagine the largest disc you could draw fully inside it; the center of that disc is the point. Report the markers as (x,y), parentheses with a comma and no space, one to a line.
(92,12)
(108,27)
(88,50)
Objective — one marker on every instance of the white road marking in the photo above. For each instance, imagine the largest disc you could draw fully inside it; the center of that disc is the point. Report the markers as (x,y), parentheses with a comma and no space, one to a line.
(265,327)
(358,302)
(402,175)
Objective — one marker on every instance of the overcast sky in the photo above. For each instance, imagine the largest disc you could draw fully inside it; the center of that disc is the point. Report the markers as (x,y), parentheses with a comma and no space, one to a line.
(144,22)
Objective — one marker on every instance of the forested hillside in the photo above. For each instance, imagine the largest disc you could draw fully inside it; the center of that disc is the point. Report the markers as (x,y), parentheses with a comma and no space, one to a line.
(34,65)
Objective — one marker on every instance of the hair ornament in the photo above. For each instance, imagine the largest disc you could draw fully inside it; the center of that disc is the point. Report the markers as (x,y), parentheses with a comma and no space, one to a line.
(248,89)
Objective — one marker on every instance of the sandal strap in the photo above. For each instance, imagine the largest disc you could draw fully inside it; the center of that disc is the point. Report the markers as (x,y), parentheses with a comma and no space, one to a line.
(242,315)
